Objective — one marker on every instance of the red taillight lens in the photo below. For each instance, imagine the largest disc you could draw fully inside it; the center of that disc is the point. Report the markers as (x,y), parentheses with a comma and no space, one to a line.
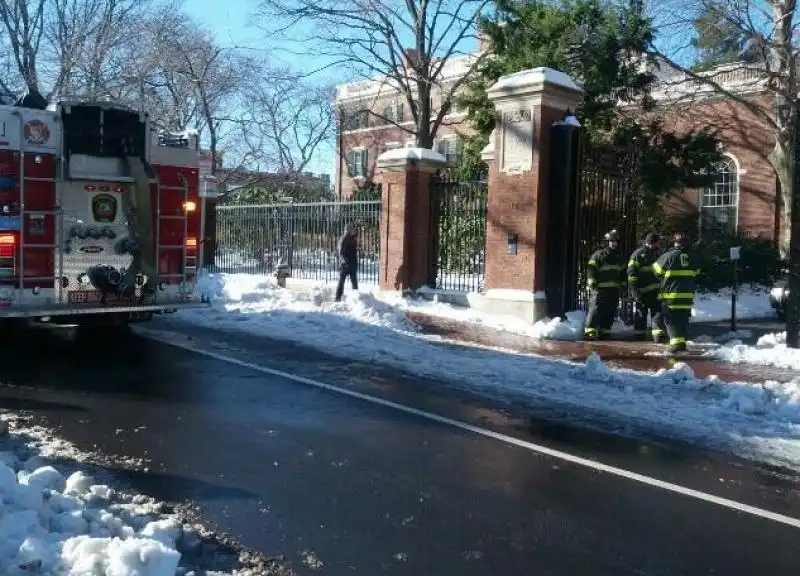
(7,240)
(6,251)
(191,243)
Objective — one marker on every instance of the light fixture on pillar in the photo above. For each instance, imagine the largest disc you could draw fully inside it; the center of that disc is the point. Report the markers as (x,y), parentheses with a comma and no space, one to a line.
(569,119)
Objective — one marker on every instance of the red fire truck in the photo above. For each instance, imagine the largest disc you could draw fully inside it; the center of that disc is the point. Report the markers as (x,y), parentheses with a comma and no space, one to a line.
(101,217)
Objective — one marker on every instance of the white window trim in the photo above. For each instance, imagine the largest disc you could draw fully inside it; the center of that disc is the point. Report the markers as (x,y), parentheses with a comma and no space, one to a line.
(738,171)
(356,149)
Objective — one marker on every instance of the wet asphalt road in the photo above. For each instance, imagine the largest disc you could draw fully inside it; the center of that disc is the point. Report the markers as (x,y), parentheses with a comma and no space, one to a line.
(288,469)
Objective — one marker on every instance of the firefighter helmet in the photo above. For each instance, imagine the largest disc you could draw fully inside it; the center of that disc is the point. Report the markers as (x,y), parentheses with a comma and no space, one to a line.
(651,238)
(612,236)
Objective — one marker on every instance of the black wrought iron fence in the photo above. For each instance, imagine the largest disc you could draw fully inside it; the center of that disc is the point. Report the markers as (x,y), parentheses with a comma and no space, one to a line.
(255,238)
(458,234)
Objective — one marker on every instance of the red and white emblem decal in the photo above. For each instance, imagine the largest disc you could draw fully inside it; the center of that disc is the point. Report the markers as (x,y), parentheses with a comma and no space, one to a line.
(36,132)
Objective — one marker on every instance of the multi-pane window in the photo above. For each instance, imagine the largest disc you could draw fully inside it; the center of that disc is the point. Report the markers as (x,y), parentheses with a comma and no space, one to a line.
(719,203)
(393,113)
(450,148)
(357,163)
(356,120)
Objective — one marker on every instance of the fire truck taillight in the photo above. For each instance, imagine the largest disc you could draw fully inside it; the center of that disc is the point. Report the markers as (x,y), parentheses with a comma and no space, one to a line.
(7,264)
(191,243)
(190,206)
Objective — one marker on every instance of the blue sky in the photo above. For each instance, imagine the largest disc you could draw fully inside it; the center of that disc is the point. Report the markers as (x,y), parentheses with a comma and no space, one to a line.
(230,21)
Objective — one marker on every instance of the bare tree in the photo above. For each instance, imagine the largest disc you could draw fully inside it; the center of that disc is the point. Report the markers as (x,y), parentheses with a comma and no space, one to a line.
(24,25)
(285,122)
(369,37)
(770,30)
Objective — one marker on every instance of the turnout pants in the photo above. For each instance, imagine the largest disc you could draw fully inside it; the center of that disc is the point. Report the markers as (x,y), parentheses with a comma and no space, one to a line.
(602,309)
(344,273)
(644,304)
(677,324)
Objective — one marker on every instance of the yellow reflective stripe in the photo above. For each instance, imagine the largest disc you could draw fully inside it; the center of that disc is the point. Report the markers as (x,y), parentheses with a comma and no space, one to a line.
(650,287)
(632,263)
(657,331)
(680,273)
(608,285)
(676,295)
(673,341)
(608,267)
(590,281)
(657,269)
(590,330)
(593,262)
(679,306)
(633,278)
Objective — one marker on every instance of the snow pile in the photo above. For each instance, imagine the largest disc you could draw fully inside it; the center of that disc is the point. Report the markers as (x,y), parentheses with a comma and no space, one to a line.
(755,420)
(245,297)
(570,328)
(770,350)
(55,525)
(51,524)
(751,302)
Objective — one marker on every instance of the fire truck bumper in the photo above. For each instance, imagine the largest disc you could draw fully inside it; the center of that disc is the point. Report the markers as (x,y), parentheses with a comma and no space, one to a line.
(31,310)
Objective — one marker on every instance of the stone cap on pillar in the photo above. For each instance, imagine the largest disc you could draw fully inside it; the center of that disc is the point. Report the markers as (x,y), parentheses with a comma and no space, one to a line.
(542,81)
(420,159)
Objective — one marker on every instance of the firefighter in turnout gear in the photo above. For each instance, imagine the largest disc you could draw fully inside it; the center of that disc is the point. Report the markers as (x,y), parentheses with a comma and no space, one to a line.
(677,270)
(643,286)
(604,277)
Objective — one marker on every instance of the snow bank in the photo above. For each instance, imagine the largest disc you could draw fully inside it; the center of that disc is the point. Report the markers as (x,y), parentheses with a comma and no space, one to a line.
(770,350)
(760,421)
(50,524)
(751,302)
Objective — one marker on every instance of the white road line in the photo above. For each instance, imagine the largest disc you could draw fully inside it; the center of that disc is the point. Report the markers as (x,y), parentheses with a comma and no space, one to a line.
(600,467)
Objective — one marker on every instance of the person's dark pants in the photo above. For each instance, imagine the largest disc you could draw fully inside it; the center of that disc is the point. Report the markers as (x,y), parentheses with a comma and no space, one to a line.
(677,322)
(602,308)
(644,304)
(346,271)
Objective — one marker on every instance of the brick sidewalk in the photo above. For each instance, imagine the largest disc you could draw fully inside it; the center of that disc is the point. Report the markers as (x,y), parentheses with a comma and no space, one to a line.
(619,354)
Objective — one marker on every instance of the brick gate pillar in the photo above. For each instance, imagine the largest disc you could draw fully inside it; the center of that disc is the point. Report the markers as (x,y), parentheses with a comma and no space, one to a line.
(404,175)
(527,104)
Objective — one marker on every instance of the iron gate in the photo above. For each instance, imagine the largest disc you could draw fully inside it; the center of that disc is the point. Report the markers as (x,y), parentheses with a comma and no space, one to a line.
(458,233)
(254,238)
(591,193)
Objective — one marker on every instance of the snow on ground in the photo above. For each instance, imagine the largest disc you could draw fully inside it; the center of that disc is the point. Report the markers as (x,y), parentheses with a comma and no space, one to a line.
(759,421)
(52,524)
(751,302)
(769,350)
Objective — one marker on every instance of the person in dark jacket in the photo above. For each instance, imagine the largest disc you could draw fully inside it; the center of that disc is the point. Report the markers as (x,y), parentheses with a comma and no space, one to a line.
(348,260)
(643,286)
(677,270)
(604,277)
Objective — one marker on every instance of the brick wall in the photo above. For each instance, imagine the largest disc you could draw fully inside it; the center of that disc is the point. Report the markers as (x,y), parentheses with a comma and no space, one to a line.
(518,204)
(747,139)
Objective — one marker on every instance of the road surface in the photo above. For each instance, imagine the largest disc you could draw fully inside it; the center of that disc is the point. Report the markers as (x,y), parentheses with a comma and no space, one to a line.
(344,485)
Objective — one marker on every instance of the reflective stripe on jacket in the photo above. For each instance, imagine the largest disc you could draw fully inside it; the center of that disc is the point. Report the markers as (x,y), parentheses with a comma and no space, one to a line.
(604,270)
(641,277)
(678,270)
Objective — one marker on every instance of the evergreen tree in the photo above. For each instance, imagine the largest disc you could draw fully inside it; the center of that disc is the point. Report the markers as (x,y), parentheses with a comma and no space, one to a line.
(603,46)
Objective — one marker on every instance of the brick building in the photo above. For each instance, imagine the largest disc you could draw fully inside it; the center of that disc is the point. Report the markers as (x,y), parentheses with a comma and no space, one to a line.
(745,197)
(374,117)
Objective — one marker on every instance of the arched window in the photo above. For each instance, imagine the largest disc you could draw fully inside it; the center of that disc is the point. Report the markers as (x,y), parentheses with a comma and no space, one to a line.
(719,203)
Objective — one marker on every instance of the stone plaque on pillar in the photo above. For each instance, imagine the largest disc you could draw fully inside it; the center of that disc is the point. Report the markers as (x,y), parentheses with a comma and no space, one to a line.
(517,140)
